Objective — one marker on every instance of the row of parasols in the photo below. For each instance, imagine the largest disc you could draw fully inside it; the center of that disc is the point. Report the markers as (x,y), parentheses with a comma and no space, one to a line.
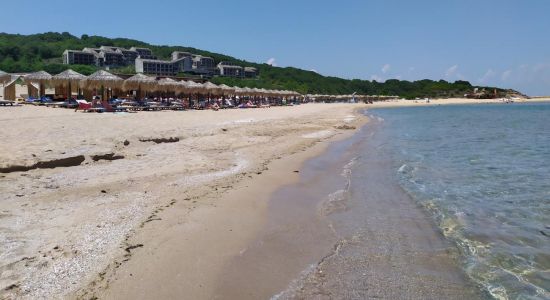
(103,80)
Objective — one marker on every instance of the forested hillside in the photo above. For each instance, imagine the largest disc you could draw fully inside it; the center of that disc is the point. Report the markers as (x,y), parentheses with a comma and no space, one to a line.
(26,53)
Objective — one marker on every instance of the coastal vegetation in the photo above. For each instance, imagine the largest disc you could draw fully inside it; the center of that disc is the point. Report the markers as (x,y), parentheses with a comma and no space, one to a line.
(27,53)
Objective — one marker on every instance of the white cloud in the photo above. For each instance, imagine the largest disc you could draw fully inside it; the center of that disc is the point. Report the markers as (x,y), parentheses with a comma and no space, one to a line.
(531,79)
(386,68)
(313,70)
(451,71)
(271,62)
(488,75)
(505,75)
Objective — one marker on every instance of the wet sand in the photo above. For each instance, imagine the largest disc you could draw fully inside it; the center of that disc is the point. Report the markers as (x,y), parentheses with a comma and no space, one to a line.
(346,230)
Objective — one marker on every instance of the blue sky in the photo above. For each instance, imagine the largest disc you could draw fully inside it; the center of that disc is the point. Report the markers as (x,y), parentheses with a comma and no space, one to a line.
(504,43)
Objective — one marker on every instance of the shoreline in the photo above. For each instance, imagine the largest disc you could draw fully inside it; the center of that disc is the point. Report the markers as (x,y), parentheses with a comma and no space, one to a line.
(322,241)
(238,215)
(255,246)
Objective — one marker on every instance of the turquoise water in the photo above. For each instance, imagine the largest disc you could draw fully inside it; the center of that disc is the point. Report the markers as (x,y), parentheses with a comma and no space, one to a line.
(483,173)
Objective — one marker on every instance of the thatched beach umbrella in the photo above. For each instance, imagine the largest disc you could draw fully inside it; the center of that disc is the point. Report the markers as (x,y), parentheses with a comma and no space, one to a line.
(192,87)
(273,93)
(139,82)
(227,90)
(4,77)
(182,87)
(247,91)
(240,91)
(167,85)
(68,78)
(41,78)
(102,79)
(256,92)
(265,93)
(213,89)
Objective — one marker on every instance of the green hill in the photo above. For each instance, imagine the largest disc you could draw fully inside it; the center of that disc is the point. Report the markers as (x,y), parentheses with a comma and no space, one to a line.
(26,53)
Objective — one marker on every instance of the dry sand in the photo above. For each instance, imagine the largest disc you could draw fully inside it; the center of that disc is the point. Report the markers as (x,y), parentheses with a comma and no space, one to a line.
(74,231)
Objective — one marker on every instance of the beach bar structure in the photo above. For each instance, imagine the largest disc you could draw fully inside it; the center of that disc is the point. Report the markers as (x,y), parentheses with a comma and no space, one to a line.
(9,88)
(36,83)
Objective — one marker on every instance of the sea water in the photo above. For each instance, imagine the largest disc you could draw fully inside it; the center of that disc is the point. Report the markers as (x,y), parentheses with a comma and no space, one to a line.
(483,173)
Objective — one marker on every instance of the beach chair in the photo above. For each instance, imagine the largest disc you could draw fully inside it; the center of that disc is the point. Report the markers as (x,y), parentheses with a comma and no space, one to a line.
(7,102)
(83,105)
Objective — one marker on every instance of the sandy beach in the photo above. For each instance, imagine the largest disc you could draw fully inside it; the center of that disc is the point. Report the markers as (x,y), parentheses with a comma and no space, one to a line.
(133,182)
(153,204)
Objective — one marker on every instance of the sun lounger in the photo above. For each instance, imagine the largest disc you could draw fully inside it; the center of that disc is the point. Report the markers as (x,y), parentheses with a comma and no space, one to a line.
(7,102)
(177,106)
(83,105)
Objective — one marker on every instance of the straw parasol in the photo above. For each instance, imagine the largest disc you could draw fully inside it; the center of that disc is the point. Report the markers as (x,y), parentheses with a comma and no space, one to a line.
(248,91)
(189,86)
(68,78)
(256,92)
(196,86)
(274,93)
(4,77)
(181,87)
(139,81)
(40,77)
(167,85)
(240,91)
(227,89)
(102,79)
(212,88)
(265,92)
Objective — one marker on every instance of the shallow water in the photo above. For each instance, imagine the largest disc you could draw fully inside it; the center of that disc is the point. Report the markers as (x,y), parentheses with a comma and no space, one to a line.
(483,173)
